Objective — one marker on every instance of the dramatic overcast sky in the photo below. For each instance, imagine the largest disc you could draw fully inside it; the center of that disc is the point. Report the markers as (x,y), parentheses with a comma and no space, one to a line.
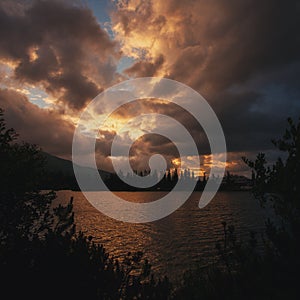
(242,56)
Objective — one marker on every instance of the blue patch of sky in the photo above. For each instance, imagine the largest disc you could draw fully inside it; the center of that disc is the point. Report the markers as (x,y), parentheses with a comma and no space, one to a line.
(124,63)
(101,9)
(37,96)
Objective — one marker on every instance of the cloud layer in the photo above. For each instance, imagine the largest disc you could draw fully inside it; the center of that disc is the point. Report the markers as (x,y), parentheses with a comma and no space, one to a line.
(238,55)
(59,45)
(36,125)
(242,56)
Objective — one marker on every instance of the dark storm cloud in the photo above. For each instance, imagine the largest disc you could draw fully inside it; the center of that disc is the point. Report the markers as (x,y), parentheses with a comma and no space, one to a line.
(243,39)
(149,144)
(60,45)
(243,56)
(215,42)
(246,129)
(157,143)
(36,125)
(145,68)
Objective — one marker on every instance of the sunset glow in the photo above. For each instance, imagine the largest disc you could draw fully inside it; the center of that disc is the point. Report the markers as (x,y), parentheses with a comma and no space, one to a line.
(149,149)
(57,72)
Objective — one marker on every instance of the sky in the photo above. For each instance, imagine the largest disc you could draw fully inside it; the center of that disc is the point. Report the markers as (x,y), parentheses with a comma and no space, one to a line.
(243,57)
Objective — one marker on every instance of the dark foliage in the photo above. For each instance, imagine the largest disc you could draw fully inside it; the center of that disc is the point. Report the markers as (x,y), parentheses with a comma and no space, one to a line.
(245,270)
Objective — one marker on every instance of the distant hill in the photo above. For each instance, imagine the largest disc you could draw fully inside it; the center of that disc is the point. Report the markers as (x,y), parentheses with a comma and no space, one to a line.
(57,164)
(59,174)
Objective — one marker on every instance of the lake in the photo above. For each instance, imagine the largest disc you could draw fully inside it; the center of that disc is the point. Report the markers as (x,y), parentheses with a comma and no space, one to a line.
(175,243)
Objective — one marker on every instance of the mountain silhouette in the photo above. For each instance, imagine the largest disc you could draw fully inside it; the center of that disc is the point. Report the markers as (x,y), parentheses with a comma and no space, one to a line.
(59,173)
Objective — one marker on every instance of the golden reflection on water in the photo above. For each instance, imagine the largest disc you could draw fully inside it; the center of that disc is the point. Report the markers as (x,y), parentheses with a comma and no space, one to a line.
(175,243)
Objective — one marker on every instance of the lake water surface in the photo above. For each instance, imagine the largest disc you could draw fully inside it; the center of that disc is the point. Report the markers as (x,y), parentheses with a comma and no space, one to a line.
(175,243)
